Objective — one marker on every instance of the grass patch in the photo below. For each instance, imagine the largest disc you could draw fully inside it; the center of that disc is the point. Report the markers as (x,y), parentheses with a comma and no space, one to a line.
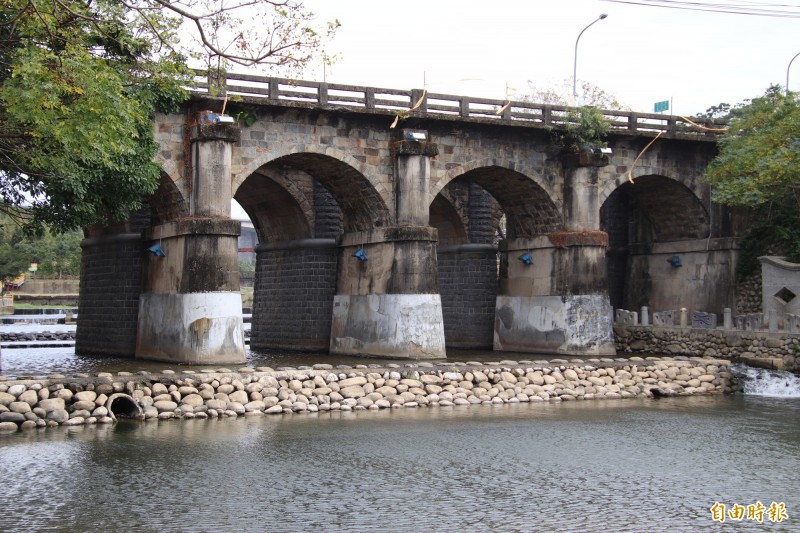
(40,306)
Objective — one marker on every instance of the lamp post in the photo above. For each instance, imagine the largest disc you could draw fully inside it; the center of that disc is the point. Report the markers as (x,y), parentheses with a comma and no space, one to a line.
(787,72)
(575,62)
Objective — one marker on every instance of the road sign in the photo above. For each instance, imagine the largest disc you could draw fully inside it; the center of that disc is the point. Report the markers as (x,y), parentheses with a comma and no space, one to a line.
(661,106)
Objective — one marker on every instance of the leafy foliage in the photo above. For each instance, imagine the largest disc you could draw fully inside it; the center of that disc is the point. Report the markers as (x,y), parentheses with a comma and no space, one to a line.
(80,81)
(775,230)
(56,254)
(758,167)
(78,88)
(720,110)
(585,126)
(585,130)
(759,156)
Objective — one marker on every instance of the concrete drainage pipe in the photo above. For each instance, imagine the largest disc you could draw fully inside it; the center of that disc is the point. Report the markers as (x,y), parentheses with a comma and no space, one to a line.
(122,405)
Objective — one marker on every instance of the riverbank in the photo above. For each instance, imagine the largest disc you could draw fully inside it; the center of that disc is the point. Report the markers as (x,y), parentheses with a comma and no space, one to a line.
(210,393)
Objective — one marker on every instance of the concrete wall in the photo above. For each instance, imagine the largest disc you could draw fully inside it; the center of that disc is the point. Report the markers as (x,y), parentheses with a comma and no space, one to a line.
(294,290)
(50,286)
(780,286)
(407,326)
(558,304)
(388,305)
(401,260)
(705,280)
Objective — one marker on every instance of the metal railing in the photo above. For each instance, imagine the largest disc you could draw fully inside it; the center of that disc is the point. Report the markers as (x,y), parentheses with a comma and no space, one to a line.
(419,103)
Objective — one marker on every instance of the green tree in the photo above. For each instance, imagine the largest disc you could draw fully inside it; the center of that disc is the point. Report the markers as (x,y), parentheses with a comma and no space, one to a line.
(55,254)
(759,155)
(80,81)
(758,167)
(585,130)
(585,127)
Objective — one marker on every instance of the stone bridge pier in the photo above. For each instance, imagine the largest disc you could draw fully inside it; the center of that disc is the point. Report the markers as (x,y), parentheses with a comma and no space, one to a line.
(190,308)
(387,299)
(553,290)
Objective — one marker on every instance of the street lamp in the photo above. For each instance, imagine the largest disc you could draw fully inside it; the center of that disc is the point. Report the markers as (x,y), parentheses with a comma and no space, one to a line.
(575,62)
(787,72)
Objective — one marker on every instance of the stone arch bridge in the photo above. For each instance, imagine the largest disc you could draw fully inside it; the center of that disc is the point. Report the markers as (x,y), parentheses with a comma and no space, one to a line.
(464,225)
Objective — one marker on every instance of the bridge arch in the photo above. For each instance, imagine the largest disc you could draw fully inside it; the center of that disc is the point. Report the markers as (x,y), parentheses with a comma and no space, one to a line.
(168,202)
(278,207)
(529,202)
(689,179)
(447,212)
(362,198)
(659,230)
(671,210)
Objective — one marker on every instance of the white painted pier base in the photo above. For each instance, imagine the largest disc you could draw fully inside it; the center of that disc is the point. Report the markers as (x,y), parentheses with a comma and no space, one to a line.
(573,325)
(197,328)
(392,325)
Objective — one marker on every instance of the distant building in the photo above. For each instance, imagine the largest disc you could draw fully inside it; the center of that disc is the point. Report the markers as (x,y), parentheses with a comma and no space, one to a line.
(247,243)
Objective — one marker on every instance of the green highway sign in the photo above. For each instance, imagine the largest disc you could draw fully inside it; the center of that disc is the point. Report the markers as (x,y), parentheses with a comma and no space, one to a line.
(661,106)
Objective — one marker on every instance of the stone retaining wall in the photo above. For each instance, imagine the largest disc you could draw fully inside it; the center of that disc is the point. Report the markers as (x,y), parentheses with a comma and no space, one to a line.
(83,399)
(721,343)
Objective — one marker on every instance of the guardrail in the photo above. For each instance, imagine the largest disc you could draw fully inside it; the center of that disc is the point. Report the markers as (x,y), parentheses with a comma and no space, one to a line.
(277,91)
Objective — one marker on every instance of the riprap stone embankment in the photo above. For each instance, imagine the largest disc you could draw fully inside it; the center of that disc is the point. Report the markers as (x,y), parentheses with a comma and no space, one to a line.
(84,399)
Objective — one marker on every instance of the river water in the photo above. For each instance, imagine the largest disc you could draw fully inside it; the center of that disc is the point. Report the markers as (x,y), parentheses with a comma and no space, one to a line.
(617,465)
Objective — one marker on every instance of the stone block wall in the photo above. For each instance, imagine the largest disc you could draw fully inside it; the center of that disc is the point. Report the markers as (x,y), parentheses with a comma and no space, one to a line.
(721,343)
(468,287)
(108,306)
(293,295)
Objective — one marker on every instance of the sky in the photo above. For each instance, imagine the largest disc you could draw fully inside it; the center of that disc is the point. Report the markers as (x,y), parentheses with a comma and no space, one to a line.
(640,54)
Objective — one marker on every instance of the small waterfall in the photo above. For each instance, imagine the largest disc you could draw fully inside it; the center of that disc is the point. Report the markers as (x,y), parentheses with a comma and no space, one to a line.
(763,382)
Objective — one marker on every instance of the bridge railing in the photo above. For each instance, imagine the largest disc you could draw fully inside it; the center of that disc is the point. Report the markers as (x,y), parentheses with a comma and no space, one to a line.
(419,103)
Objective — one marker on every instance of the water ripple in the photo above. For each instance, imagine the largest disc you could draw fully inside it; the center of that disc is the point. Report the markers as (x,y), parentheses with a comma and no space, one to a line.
(589,466)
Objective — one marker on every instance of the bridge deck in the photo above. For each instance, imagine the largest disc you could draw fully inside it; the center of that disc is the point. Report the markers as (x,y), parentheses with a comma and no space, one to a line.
(421,103)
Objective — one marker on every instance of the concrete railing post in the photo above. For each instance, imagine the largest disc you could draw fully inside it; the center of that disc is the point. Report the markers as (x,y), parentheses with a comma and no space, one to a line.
(772,320)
